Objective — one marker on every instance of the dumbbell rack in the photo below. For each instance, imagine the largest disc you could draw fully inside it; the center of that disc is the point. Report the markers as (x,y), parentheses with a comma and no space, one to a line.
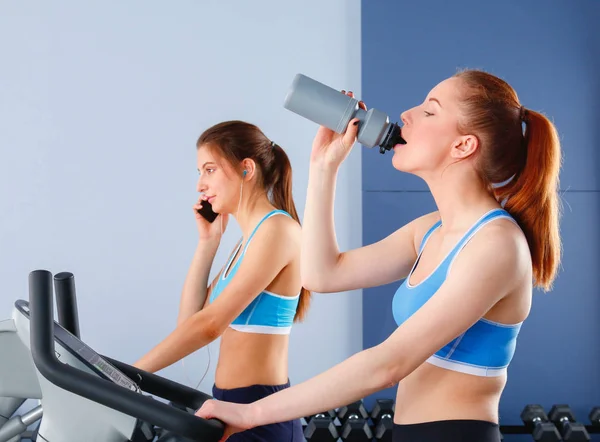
(352,423)
(371,419)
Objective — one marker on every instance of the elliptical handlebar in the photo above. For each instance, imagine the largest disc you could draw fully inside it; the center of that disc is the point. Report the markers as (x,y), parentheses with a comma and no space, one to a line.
(100,390)
(162,387)
(66,302)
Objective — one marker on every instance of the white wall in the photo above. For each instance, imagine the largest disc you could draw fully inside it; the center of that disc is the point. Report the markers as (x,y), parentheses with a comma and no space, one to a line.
(100,108)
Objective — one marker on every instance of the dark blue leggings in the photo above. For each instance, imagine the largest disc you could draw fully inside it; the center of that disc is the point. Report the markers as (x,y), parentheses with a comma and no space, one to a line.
(289,431)
(447,431)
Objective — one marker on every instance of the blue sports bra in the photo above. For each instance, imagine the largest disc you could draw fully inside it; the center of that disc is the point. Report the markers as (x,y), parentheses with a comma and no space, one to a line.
(268,313)
(487,347)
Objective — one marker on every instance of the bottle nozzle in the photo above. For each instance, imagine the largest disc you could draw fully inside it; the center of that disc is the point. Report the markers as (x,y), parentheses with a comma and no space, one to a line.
(393,137)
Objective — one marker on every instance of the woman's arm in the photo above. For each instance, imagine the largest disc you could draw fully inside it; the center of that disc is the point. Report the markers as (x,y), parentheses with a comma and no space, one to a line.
(195,291)
(489,268)
(325,269)
(272,248)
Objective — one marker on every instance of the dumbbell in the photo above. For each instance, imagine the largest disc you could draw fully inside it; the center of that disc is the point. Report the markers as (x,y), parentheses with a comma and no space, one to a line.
(320,427)
(535,420)
(331,413)
(564,419)
(382,416)
(355,427)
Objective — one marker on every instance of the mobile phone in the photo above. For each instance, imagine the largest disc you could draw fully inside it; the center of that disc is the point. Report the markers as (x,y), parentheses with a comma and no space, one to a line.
(207,212)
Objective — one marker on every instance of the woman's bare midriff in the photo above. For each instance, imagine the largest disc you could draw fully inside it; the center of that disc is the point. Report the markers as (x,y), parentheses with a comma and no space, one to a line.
(432,393)
(251,358)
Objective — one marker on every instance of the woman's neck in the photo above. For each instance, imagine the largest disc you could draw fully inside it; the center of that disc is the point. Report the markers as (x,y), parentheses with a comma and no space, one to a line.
(251,212)
(460,198)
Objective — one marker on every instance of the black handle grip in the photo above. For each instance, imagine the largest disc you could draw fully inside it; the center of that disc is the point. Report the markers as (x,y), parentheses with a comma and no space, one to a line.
(66,302)
(95,388)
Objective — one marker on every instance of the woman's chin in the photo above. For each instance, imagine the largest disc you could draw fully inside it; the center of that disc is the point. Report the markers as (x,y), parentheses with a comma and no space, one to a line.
(404,167)
(217,208)
(398,164)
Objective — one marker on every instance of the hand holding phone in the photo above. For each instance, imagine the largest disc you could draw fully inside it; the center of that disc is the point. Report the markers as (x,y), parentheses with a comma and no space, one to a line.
(206,211)
(205,217)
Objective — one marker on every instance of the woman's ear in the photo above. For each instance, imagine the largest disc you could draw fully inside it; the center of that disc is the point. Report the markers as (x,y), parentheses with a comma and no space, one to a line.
(249,169)
(464,147)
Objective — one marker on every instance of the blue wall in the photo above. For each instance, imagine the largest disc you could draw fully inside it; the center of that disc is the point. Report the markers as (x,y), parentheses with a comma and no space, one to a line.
(550,52)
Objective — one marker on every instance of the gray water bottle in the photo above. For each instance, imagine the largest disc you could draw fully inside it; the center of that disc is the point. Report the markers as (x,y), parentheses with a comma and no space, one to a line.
(334,110)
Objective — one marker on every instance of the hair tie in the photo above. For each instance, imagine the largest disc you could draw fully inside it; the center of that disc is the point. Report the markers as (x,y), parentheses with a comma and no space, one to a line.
(273,144)
(523,114)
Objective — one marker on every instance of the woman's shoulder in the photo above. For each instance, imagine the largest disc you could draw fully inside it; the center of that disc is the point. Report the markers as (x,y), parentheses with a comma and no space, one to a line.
(281,226)
(507,232)
(503,243)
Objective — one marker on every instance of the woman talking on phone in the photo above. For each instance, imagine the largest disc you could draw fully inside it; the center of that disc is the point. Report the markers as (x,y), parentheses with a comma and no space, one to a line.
(469,268)
(254,300)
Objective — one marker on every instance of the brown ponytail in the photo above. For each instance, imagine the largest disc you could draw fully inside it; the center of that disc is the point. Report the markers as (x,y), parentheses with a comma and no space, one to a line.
(238,140)
(281,195)
(527,164)
(532,198)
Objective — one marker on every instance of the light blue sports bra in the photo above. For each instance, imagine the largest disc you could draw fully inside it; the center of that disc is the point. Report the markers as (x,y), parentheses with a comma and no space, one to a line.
(487,347)
(268,313)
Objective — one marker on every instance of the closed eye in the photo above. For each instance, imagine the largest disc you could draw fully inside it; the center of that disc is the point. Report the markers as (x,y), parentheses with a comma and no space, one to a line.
(428,114)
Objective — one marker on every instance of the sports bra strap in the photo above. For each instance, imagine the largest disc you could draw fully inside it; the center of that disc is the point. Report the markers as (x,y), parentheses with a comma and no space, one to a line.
(268,215)
(429,232)
(486,218)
